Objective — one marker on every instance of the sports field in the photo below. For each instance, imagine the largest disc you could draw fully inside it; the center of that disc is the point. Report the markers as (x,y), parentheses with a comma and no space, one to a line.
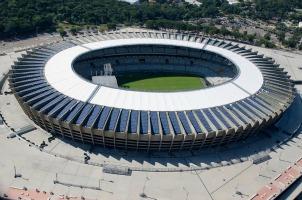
(160,82)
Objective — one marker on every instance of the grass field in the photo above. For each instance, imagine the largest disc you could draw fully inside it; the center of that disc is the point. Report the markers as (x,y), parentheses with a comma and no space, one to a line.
(160,82)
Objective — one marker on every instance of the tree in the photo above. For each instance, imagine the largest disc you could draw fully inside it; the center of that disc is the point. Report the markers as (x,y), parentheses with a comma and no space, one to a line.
(251,37)
(291,42)
(73,30)
(111,26)
(11,26)
(62,32)
(103,28)
(280,35)
(267,36)
(224,31)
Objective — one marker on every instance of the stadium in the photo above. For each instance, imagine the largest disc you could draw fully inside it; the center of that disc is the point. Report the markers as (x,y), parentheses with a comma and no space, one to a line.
(150,90)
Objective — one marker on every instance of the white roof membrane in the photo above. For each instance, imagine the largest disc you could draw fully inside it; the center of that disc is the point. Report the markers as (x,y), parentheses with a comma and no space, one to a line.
(59,74)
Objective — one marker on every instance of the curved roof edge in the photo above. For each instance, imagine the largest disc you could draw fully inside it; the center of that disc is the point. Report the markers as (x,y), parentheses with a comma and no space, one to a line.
(60,75)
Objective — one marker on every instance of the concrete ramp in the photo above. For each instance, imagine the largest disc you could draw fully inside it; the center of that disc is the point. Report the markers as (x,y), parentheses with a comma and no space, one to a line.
(109,81)
(22,131)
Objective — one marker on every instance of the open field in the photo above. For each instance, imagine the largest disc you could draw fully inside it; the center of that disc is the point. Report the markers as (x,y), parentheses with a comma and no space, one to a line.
(156,82)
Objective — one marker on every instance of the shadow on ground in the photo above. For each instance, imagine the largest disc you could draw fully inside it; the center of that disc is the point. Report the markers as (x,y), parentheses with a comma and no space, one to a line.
(265,141)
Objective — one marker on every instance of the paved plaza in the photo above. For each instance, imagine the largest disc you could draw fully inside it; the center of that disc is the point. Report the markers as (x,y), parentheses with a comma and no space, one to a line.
(219,173)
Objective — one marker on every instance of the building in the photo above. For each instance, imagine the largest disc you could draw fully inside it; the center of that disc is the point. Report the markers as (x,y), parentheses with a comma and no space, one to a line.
(51,83)
(233,1)
(131,1)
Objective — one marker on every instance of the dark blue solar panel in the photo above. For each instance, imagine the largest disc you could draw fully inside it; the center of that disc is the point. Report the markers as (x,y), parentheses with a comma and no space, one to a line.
(184,121)
(144,122)
(21,78)
(20,69)
(220,117)
(264,100)
(18,78)
(29,89)
(27,73)
(93,116)
(229,116)
(254,104)
(236,114)
(263,104)
(40,96)
(26,81)
(28,65)
(103,118)
(249,109)
(32,61)
(203,120)
(174,122)
(243,111)
(194,122)
(122,125)
(59,106)
(212,119)
(113,119)
(67,108)
(133,121)
(26,97)
(29,85)
(164,122)
(74,112)
(274,92)
(45,100)
(84,113)
(52,103)
(154,123)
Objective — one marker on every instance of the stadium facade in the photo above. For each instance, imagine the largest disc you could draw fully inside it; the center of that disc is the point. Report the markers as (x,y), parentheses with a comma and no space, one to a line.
(52,84)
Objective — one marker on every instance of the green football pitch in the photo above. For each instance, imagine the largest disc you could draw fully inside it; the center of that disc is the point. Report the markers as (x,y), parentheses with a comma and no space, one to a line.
(161,83)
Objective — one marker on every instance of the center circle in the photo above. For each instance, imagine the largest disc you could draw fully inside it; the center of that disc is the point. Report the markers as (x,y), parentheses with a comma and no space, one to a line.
(154,68)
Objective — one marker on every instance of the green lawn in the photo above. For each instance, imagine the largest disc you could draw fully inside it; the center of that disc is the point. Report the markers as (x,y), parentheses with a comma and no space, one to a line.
(160,82)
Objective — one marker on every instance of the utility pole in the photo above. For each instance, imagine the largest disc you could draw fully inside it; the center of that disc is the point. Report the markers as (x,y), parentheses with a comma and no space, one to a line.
(15,173)
(15,170)
(56,180)
(143,192)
